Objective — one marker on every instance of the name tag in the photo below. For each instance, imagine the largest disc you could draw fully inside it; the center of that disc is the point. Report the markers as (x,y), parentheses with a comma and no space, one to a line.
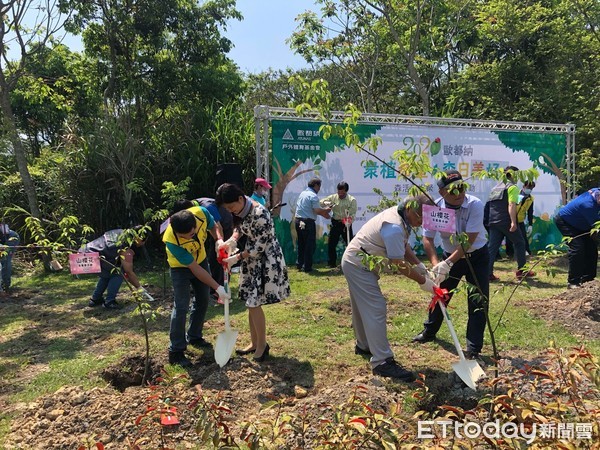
(82,263)
(439,219)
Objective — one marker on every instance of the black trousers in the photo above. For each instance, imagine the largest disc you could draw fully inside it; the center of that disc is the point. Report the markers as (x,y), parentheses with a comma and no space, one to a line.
(510,251)
(476,304)
(582,254)
(336,230)
(307,243)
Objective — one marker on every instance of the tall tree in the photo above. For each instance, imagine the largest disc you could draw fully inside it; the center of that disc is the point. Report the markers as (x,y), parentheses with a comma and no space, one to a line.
(22,37)
(416,46)
(347,37)
(56,91)
(162,60)
(537,61)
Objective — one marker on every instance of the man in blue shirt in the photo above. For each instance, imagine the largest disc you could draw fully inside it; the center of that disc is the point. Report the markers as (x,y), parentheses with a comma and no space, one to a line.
(307,209)
(575,220)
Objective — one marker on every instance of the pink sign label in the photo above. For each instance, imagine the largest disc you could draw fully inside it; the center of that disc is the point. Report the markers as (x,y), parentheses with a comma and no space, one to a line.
(439,219)
(82,263)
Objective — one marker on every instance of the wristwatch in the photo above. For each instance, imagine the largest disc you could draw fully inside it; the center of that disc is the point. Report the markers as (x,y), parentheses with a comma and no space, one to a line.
(450,263)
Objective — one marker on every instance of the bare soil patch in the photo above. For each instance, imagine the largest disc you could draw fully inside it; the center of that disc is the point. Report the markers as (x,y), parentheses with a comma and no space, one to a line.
(72,416)
(576,309)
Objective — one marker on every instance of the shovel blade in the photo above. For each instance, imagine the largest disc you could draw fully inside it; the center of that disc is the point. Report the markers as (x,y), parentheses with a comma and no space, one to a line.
(224,346)
(469,371)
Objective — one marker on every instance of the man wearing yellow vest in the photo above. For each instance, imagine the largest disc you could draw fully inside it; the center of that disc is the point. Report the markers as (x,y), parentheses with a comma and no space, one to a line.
(524,211)
(186,254)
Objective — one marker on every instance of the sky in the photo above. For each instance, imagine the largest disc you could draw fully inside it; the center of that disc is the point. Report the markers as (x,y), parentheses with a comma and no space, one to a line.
(259,39)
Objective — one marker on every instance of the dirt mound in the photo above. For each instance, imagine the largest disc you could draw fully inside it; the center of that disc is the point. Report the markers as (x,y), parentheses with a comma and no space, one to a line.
(73,416)
(576,309)
(130,372)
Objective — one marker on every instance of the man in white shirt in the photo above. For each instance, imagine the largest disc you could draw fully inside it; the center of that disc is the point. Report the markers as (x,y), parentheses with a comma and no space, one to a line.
(454,266)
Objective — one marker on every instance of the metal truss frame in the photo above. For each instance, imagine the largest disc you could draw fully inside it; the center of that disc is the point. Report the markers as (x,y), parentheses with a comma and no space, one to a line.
(264,114)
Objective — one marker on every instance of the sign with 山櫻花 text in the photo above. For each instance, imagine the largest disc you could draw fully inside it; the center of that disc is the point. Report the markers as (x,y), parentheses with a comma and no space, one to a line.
(439,219)
(82,263)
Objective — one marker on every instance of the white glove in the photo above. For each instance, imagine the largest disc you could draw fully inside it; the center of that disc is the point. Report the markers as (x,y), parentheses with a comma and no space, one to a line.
(144,293)
(440,272)
(529,230)
(232,260)
(218,245)
(428,286)
(223,294)
(421,269)
(230,243)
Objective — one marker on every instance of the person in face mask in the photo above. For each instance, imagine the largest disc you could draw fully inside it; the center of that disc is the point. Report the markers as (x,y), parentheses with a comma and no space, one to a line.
(261,189)
(524,213)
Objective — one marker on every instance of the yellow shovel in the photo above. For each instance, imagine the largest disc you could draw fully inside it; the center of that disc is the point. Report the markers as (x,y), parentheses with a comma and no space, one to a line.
(226,339)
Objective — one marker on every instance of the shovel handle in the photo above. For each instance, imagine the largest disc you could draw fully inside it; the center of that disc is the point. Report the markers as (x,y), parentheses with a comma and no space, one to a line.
(226,302)
(452,331)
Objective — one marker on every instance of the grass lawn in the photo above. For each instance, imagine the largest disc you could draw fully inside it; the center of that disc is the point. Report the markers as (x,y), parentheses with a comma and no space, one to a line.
(49,337)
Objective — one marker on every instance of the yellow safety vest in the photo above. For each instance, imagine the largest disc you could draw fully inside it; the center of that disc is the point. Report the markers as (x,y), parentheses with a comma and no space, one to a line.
(523,207)
(195,246)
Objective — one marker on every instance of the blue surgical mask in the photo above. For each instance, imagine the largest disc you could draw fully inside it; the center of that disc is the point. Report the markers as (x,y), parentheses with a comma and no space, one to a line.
(526,191)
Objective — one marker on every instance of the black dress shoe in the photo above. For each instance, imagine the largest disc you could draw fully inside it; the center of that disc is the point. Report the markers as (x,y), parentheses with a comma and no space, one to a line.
(112,305)
(422,337)
(92,303)
(362,352)
(244,352)
(200,343)
(264,355)
(391,369)
(179,359)
(473,354)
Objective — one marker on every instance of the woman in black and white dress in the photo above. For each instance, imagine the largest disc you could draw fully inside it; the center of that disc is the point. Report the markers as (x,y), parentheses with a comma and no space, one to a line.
(263,276)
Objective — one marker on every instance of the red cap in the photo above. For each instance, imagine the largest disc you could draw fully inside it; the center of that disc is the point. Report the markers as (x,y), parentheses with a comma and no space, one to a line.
(262,182)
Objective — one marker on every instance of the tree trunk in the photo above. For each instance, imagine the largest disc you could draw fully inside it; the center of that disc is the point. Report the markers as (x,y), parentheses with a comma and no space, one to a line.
(8,120)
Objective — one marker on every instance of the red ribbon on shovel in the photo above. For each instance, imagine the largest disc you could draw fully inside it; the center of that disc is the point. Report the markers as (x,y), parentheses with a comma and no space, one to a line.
(221,257)
(440,295)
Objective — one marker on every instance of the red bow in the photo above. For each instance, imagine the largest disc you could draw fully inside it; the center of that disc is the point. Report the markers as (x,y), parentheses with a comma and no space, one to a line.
(221,257)
(441,295)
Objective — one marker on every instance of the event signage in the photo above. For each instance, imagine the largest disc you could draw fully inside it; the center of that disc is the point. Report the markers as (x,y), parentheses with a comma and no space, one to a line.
(299,152)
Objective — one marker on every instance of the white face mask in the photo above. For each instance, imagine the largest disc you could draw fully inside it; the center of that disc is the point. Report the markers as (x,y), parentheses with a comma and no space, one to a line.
(526,191)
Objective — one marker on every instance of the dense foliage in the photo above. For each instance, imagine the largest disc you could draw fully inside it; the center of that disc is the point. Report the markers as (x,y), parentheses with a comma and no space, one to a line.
(154,97)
